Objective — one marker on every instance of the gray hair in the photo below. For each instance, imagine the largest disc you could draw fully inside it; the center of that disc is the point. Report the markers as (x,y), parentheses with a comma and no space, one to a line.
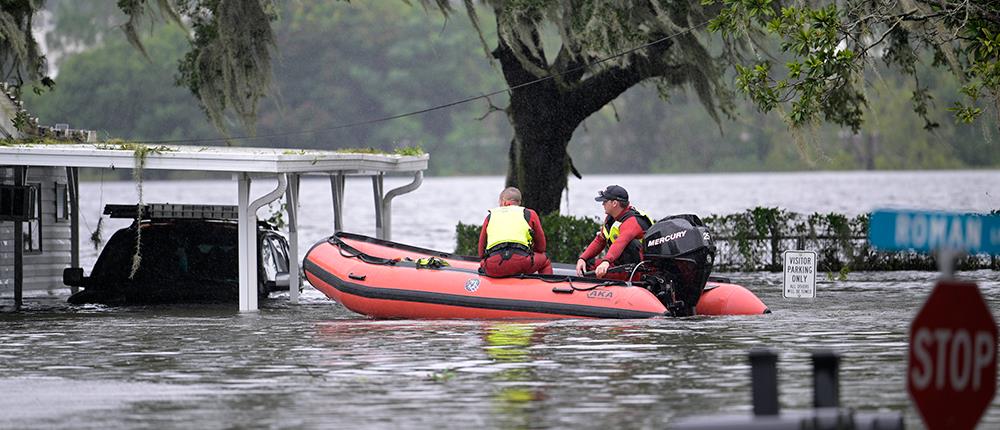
(511,194)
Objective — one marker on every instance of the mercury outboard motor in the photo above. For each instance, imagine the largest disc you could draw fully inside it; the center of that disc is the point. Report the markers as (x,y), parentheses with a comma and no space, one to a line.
(681,252)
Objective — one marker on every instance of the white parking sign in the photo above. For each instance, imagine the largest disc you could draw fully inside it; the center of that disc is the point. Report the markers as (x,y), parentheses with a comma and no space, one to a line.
(800,274)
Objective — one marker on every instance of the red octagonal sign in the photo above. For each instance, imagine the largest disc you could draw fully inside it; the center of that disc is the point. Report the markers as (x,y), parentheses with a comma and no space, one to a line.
(952,368)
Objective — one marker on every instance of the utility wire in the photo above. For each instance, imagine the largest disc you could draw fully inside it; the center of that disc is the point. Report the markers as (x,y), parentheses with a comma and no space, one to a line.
(433,108)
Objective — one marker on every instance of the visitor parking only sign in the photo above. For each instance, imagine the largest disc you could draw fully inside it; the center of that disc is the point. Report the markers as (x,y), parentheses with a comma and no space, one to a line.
(800,274)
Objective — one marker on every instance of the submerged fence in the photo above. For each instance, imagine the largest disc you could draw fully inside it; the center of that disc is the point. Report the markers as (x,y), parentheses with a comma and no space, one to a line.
(754,240)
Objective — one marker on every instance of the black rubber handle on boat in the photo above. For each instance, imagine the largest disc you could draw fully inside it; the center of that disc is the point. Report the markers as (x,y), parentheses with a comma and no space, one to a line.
(612,269)
(356,277)
(562,289)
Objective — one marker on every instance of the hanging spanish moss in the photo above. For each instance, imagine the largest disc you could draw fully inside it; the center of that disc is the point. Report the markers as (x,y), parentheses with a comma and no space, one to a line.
(229,65)
(20,58)
(596,36)
(140,163)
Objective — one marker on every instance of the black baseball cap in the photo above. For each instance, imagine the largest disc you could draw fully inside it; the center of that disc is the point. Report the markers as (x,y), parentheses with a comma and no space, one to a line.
(612,192)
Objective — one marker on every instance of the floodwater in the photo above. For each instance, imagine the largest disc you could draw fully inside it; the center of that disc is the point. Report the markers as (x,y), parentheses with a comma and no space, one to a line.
(317,365)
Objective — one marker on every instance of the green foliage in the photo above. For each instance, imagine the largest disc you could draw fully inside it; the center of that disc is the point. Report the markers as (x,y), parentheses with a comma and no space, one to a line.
(410,151)
(467,239)
(341,63)
(80,25)
(565,236)
(407,150)
(20,58)
(679,137)
(348,62)
(20,120)
(755,240)
(140,153)
(827,48)
(115,90)
(277,218)
(229,64)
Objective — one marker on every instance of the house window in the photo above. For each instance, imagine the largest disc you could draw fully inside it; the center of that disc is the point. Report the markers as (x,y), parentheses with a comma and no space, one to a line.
(32,231)
(62,202)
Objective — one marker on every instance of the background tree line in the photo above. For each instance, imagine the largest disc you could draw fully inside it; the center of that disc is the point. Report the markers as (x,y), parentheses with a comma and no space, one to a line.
(340,63)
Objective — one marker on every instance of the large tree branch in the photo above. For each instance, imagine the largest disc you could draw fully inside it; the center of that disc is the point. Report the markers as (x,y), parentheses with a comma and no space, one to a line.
(514,71)
(570,68)
(601,88)
(529,53)
(959,7)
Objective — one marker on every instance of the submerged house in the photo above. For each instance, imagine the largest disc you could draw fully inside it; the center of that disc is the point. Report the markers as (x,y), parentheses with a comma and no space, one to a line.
(43,243)
(39,186)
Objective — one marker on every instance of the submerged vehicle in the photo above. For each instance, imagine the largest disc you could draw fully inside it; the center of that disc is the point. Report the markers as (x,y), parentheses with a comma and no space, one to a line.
(383,279)
(188,254)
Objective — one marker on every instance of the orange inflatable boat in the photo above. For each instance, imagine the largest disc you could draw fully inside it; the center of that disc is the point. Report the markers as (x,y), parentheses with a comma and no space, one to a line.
(383,279)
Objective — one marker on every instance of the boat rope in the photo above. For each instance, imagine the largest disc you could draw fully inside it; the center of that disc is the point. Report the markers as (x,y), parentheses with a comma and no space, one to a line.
(352,252)
(569,280)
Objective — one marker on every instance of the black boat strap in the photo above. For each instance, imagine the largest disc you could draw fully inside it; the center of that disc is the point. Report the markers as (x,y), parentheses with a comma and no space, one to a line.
(352,252)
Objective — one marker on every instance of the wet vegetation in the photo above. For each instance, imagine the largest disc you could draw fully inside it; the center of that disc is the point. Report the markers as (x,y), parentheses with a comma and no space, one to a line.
(347,63)
(406,151)
(566,236)
(755,239)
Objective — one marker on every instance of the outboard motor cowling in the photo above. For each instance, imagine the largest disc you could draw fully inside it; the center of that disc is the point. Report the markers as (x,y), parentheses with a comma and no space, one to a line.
(681,252)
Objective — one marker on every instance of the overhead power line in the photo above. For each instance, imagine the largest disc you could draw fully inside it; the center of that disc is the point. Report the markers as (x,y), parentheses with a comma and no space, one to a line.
(432,108)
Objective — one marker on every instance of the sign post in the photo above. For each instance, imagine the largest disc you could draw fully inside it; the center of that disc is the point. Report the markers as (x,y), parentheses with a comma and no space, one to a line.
(952,362)
(800,274)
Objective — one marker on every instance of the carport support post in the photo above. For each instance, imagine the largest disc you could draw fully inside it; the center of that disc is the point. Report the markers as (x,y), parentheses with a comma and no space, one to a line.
(337,191)
(20,178)
(418,178)
(250,232)
(248,292)
(377,187)
(73,173)
(293,237)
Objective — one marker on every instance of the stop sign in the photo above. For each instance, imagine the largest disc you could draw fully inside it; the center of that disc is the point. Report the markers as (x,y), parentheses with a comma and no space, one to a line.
(952,368)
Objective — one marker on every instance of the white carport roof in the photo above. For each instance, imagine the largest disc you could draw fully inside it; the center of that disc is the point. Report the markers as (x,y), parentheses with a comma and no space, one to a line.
(208,158)
(245,163)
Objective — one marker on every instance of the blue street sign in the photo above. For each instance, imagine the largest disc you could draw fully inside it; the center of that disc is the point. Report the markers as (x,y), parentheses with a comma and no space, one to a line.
(928,231)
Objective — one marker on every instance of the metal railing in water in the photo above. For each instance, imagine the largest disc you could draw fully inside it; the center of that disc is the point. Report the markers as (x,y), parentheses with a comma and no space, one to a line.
(834,253)
(827,413)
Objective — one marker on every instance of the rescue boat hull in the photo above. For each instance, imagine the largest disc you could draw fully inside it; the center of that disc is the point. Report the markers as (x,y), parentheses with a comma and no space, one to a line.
(383,279)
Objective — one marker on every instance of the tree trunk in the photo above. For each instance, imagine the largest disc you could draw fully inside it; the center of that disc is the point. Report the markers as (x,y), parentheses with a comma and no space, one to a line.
(538,162)
(545,112)
(543,124)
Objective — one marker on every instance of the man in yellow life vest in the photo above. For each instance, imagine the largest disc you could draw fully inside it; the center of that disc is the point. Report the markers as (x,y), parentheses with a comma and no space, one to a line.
(621,234)
(512,240)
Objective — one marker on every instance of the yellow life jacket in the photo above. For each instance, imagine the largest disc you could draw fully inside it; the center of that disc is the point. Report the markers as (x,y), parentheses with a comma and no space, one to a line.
(612,229)
(508,224)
